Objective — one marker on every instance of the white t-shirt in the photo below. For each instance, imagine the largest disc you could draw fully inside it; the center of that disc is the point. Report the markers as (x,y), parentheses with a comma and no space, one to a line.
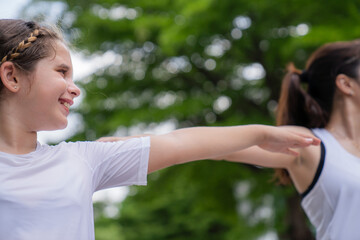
(47,194)
(332,201)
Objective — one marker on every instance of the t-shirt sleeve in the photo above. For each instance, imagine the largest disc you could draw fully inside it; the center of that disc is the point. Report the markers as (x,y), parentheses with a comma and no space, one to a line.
(117,164)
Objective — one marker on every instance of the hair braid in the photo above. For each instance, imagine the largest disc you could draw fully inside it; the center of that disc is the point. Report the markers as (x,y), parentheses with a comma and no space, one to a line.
(16,51)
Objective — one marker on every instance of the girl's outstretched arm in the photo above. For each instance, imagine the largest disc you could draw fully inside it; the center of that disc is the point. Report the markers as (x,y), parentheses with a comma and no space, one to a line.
(191,144)
(252,144)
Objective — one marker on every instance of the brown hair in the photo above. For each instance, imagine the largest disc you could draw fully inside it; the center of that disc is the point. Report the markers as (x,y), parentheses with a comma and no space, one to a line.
(311,107)
(25,43)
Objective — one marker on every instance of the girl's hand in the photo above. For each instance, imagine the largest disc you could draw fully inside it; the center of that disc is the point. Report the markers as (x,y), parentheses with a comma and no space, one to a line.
(278,139)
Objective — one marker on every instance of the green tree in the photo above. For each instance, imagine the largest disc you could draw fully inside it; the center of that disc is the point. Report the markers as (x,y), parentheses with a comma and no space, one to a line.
(201,62)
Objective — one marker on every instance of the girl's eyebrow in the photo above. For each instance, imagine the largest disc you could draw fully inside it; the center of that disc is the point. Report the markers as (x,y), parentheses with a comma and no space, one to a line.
(64,66)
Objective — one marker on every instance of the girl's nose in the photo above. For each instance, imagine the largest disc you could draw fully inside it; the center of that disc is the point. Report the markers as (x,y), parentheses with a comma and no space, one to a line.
(74,90)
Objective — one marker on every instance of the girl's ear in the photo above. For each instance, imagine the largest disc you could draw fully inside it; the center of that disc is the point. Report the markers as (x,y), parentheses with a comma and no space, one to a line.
(8,74)
(345,84)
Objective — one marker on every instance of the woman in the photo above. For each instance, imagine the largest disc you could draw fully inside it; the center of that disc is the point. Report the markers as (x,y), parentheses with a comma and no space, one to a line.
(323,100)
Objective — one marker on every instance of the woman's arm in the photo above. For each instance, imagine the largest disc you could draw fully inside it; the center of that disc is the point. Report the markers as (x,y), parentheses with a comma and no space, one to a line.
(257,156)
(302,168)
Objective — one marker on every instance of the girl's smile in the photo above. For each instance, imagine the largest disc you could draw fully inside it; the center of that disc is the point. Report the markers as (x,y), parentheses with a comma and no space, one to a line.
(66,103)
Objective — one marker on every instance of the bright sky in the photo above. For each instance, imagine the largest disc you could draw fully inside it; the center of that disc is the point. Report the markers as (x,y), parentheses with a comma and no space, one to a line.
(11,8)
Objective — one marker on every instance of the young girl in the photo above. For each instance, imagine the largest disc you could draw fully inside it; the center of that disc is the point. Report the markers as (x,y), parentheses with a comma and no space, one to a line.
(326,176)
(46,191)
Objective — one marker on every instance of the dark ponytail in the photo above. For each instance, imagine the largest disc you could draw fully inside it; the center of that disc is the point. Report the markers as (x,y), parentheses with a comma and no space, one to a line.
(306,97)
(296,106)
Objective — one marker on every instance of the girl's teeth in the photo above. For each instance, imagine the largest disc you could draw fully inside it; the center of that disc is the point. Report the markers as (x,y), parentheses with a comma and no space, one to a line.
(66,104)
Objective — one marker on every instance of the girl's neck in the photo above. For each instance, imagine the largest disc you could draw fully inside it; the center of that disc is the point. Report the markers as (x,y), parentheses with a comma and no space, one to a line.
(13,138)
(18,145)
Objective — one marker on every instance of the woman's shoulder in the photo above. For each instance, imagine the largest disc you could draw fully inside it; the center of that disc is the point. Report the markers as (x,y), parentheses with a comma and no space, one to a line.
(299,129)
(304,169)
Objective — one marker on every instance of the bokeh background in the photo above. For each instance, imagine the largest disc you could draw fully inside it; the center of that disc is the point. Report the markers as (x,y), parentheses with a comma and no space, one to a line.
(150,66)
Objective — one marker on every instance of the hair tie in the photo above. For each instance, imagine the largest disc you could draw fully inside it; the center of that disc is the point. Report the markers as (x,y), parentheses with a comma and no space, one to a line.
(304,77)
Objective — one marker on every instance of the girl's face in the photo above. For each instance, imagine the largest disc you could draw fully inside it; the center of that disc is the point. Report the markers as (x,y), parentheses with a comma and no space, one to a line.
(48,94)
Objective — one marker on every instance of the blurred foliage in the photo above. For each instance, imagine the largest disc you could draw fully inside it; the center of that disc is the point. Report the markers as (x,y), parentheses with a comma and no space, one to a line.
(196,62)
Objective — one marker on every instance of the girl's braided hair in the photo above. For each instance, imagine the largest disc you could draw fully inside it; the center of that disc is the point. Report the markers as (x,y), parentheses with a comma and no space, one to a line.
(25,43)
(16,51)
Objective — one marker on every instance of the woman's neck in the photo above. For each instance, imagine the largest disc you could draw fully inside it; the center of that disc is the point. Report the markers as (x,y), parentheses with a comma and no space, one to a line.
(344,125)
(344,120)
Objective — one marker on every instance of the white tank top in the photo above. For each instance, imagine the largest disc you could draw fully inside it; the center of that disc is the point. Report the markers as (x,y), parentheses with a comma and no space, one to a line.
(332,202)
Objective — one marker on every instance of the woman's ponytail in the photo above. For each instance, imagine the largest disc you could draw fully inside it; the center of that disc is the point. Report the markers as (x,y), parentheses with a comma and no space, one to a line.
(296,107)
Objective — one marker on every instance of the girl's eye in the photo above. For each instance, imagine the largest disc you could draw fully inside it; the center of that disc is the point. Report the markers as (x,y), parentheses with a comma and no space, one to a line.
(63,72)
